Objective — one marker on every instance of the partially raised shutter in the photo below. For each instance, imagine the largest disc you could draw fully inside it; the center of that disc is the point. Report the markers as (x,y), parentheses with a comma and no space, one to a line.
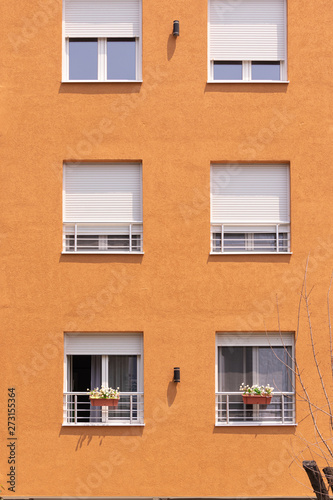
(250,194)
(235,339)
(103,193)
(251,30)
(103,344)
(102,18)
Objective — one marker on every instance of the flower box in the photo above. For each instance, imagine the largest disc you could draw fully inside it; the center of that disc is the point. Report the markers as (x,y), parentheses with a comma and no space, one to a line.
(256,400)
(104,402)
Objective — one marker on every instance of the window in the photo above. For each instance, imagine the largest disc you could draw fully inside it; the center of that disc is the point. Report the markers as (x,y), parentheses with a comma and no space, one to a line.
(247,41)
(102,40)
(110,359)
(102,208)
(254,358)
(250,209)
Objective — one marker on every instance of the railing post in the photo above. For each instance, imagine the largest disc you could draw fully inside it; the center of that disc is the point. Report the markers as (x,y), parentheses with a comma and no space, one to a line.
(277,238)
(227,408)
(216,408)
(75,238)
(130,237)
(222,238)
(131,408)
(282,407)
(65,411)
(75,408)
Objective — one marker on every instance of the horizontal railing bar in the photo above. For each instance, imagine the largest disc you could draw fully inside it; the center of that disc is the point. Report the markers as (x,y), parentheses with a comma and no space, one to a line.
(254,223)
(121,393)
(103,223)
(241,394)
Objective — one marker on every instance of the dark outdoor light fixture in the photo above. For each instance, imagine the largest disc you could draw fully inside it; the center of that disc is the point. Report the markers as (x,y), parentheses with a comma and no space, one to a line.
(176,374)
(175,28)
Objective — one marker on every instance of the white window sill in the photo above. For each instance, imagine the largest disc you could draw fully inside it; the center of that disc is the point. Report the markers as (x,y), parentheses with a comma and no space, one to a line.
(101,252)
(250,253)
(248,81)
(255,424)
(104,425)
(101,81)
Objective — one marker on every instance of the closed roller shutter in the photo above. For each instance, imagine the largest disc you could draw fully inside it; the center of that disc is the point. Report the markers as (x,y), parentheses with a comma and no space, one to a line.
(250,194)
(252,30)
(102,193)
(102,18)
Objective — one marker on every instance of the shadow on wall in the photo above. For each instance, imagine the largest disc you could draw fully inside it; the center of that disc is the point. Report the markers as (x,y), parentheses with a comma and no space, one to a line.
(100,88)
(171,392)
(88,434)
(246,88)
(101,258)
(171,46)
(247,257)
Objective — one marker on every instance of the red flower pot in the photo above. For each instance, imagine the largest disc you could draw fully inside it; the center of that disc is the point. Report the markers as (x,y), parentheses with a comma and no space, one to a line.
(256,400)
(104,402)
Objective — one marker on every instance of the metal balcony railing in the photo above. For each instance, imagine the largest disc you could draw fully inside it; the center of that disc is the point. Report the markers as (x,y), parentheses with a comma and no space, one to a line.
(230,410)
(254,237)
(99,237)
(78,410)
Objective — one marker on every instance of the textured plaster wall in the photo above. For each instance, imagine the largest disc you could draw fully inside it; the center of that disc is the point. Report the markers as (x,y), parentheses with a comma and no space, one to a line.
(176,294)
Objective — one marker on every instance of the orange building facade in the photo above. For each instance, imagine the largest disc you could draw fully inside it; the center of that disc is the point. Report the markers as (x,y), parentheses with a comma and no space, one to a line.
(160,197)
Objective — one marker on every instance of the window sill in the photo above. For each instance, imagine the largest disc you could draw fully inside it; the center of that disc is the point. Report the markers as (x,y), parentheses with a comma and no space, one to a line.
(250,253)
(248,81)
(255,424)
(104,425)
(101,252)
(101,81)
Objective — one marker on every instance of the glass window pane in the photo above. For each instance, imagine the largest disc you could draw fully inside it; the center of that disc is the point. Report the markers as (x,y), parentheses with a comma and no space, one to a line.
(83,59)
(121,242)
(123,373)
(86,373)
(283,242)
(216,242)
(274,368)
(264,242)
(87,242)
(231,70)
(266,70)
(235,367)
(121,59)
(234,242)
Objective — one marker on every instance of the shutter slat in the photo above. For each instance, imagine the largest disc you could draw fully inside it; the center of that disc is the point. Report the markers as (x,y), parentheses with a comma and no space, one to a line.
(102,18)
(107,344)
(254,30)
(103,193)
(250,194)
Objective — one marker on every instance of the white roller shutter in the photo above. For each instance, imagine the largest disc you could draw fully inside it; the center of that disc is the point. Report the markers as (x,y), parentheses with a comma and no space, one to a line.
(250,194)
(102,193)
(254,339)
(104,344)
(102,18)
(252,30)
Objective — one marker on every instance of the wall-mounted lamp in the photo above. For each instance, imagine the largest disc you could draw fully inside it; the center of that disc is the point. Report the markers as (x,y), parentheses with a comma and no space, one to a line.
(176,374)
(175,31)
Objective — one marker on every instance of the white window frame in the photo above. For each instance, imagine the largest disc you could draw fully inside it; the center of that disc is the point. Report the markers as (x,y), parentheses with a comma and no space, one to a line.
(102,56)
(134,227)
(246,65)
(254,340)
(247,73)
(104,382)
